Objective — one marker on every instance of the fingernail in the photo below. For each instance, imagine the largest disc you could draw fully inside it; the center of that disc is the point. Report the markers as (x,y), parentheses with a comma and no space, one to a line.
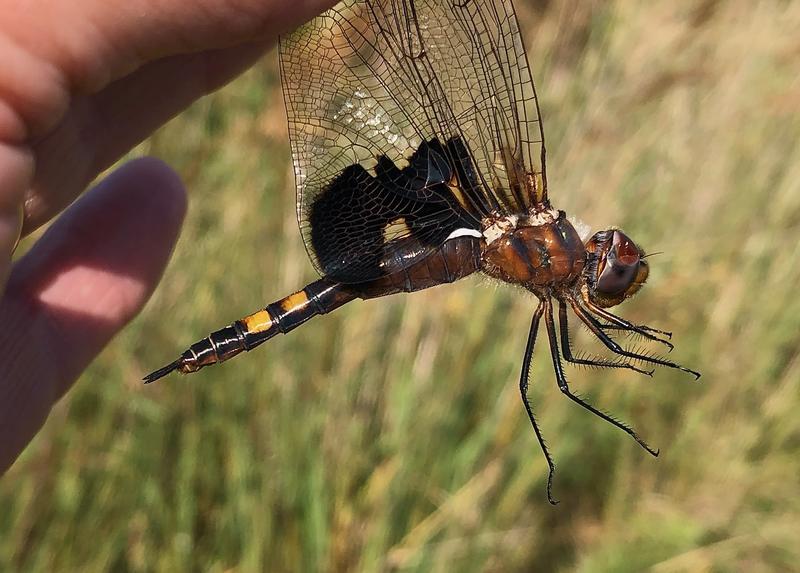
(16,175)
(11,217)
(10,229)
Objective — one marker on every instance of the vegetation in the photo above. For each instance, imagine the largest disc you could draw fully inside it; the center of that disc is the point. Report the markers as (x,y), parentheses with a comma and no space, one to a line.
(389,435)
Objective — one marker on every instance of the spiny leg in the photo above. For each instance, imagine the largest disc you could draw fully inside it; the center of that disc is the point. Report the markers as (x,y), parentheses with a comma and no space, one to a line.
(622,324)
(593,325)
(523,389)
(564,387)
(640,327)
(566,349)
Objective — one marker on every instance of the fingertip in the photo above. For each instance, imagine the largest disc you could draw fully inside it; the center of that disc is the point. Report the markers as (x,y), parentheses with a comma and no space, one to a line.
(149,184)
(95,268)
(89,274)
(143,176)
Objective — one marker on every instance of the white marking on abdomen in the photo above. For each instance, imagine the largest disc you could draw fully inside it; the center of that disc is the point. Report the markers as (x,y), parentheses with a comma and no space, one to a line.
(464,233)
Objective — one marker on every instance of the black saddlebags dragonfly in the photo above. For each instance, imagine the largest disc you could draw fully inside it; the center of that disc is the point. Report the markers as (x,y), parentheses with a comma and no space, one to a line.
(419,159)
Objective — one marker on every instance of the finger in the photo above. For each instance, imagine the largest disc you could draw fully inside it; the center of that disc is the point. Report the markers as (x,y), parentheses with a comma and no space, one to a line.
(152,29)
(100,128)
(86,278)
(51,50)
(55,50)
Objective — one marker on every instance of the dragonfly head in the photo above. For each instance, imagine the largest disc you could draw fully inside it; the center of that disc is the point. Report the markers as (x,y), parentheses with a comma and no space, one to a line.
(615,269)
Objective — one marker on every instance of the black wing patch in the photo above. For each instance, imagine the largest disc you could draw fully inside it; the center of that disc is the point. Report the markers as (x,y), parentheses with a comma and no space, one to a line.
(372,79)
(361,220)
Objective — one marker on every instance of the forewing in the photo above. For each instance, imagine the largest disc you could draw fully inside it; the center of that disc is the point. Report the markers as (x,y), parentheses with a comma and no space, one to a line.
(379,95)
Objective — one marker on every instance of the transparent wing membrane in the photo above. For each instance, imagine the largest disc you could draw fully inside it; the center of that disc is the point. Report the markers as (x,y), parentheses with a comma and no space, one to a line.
(368,84)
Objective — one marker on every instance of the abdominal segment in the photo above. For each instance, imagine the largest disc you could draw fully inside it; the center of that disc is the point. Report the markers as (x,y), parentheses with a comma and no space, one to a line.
(319,297)
(456,259)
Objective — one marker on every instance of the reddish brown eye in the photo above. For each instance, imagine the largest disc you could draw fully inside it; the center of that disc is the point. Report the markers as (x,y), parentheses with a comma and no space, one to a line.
(616,267)
(622,266)
(627,252)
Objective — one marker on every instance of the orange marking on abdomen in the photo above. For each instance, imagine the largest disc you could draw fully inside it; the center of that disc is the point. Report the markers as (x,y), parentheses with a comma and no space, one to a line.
(257,322)
(294,300)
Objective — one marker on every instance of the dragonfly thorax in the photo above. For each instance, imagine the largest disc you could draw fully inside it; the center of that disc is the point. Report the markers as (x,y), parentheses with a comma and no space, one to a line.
(545,255)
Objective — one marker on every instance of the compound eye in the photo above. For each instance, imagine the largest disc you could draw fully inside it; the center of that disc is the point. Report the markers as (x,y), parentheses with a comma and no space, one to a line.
(622,266)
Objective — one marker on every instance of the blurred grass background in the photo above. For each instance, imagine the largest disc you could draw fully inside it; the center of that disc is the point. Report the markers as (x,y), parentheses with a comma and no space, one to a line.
(389,435)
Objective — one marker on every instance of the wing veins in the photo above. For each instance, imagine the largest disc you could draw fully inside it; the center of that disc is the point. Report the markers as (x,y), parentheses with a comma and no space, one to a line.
(372,80)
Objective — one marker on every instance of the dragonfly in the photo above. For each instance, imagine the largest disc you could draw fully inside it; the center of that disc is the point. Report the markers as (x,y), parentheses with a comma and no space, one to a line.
(419,159)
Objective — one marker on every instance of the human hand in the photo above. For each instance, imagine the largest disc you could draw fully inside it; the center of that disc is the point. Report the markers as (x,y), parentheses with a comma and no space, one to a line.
(81,83)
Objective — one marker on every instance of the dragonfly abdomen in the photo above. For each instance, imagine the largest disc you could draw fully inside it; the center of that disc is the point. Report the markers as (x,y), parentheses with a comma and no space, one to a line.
(319,297)
(456,259)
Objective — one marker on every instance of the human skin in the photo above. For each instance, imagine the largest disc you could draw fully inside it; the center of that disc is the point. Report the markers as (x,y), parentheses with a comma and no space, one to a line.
(81,83)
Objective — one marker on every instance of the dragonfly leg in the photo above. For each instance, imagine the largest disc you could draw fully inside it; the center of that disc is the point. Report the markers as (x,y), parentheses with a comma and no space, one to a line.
(566,349)
(640,327)
(564,387)
(617,322)
(523,389)
(596,328)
